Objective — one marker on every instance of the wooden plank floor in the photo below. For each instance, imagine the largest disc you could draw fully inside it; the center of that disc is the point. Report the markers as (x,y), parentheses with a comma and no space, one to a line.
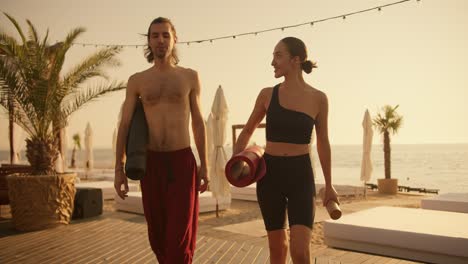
(117,237)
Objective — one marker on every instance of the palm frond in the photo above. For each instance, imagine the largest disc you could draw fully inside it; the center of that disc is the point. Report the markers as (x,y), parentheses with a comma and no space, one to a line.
(44,41)
(33,36)
(388,120)
(58,60)
(17,26)
(8,45)
(72,36)
(19,116)
(84,97)
(91,67)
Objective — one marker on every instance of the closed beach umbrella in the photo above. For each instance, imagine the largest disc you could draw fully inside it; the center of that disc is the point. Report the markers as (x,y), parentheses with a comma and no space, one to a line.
(219,186)
(114,145)
(209,136)
(88,138)
(114,136)
(313,159)
(366,163)
(19,142)
(63,147)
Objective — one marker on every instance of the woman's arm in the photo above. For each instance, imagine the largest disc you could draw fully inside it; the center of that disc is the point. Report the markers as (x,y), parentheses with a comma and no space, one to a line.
(255,118)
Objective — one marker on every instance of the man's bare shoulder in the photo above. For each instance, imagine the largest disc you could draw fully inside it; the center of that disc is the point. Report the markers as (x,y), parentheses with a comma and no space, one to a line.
(138,76)
(188,72)
(134,80)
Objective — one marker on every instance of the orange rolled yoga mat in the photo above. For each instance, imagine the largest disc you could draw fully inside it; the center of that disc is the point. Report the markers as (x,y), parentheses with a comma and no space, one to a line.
(246,167)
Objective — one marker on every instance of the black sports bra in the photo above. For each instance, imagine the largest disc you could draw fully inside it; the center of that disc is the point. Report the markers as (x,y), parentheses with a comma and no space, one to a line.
(285,125)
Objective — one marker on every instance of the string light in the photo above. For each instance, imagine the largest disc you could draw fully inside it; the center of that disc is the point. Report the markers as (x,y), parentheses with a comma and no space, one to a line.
(255,33)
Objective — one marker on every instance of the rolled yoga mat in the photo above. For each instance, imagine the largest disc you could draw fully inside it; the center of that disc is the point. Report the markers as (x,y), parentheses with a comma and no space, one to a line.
(137,140)
(246,167)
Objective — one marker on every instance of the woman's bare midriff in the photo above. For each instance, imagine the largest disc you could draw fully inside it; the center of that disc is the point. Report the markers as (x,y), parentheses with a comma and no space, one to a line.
(286,149)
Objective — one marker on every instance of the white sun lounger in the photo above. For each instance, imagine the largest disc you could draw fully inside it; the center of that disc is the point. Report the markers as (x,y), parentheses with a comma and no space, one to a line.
(107,187)
(249,193)
(453,202)
(134,204)
(416,234)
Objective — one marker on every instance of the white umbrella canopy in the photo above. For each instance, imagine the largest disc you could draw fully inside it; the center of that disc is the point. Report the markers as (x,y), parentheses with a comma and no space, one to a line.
(88,140)
(114,145)
(313,158)
(59,164)
(366,163)
(209,136)
(219,186)
(19,142)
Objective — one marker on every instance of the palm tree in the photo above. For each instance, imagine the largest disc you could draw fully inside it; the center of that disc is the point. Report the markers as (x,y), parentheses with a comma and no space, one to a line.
(388,121)
(43,97)
(76,143)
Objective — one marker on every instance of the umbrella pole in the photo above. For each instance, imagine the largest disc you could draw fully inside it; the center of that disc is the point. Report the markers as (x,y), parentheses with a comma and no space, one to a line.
(365,190)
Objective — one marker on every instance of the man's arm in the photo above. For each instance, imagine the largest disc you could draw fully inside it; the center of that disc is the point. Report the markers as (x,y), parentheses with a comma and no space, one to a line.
(128,108)
(255,118)
(199,131)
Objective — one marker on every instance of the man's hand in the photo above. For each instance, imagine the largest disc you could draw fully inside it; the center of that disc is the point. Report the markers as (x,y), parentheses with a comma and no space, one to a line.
(202,175)
(119,180)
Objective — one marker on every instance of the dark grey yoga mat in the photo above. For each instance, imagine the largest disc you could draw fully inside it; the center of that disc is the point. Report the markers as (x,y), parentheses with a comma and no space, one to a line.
(137,140)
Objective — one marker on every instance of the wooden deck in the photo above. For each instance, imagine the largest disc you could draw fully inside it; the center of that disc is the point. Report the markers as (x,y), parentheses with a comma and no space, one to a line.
(117,237)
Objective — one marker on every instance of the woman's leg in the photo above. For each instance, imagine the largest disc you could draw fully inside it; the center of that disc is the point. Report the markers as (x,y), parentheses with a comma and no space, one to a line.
(278,244)
(301,208)
(300,244)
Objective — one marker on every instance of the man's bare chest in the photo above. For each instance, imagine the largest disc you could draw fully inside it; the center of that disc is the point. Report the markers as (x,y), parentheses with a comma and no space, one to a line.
(160,90)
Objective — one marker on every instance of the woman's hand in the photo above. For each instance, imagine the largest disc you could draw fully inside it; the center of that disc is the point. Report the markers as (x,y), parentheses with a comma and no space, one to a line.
(330,194)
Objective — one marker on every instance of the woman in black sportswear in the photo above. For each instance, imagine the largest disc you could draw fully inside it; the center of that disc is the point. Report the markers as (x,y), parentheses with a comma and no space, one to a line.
(292,109)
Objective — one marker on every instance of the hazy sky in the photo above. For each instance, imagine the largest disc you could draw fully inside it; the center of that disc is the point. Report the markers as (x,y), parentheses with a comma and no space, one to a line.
(413,54)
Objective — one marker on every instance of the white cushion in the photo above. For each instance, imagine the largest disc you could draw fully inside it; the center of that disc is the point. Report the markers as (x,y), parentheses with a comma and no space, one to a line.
(107,187)
(133,203)
(248,193)
(418,234)
(453,202)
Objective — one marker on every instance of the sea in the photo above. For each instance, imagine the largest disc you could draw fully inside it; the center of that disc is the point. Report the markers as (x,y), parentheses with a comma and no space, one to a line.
(433,166)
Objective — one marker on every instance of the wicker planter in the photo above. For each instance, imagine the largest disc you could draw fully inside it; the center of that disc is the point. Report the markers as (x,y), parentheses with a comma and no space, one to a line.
(387,186)
(39,202)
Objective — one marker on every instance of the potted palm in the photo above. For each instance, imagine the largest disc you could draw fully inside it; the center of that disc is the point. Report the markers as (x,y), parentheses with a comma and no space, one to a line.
(388,121)
(43,99)
(76,144)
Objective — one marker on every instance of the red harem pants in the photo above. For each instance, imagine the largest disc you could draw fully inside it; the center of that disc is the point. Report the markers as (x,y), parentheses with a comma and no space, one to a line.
(170,204)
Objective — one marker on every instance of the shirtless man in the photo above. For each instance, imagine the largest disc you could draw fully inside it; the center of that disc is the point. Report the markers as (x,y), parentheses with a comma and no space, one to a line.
(170,94)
